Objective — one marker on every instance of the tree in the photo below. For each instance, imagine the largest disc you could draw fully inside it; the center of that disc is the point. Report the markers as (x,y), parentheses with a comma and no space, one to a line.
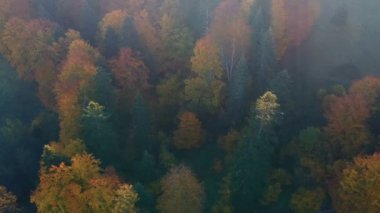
(27,46)
(347,117)
(265,59)
(238,93)
(8,201)
(78,69)
(181,192)
(357,190)
(253,159)
(99,134)
(176,38)
(80,187)
(304,200)
(279,21)
(308,149)
(204,89)
(298,30)
(231,32)
(267,110)
(229,144)
(111,32)
(292,22)
(15,8)
(130,73)
(189,133)
(368,88)
(148,33)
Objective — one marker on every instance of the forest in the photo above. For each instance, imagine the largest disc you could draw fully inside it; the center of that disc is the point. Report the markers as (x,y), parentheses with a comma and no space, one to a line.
(189,106)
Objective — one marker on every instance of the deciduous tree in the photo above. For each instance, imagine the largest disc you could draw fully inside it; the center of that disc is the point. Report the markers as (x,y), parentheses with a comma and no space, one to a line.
(189,133)
(78,69)
(81,187)
(181,192)
(204,89)
(358,186)
(8,201)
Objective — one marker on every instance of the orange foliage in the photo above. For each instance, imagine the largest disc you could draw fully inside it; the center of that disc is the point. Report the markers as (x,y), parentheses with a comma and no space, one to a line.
(292,22)
(81,187)
(129,71)
(113,20)
(189,133)
(358,189)
(302,15)
(347,116)
(346,127)
(28,47)
(78,69)
(148,32)
(279,24)
(368,88)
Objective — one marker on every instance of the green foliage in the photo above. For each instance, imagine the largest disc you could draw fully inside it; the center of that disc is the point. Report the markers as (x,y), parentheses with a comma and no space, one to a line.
(99,134)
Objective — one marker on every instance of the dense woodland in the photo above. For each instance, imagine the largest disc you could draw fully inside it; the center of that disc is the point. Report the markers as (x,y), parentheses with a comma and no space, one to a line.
(187,106)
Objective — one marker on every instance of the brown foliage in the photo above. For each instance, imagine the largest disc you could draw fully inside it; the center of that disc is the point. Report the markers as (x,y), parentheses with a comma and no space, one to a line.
(189,133)
(129,71)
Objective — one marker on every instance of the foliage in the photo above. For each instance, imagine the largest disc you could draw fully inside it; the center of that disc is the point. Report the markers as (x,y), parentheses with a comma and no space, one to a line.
(181,192)
(8,201)
(189,133)
(204,90)
(80,187)
(357,186)
(304,200)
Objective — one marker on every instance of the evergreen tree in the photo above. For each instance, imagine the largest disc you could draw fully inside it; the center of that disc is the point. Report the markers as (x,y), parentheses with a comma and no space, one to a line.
(253,160)
(238,94)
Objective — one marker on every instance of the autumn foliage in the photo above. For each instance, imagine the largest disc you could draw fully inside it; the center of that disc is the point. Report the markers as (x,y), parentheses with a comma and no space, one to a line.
(81,187)
(28,47)
(78,69)
(358,186)
(204,89)
(347,117)
(189,133)
(181,192)
(292,22)
(130,72)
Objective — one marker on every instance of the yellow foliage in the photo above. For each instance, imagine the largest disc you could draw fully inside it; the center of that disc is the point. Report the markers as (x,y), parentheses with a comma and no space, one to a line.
(113,20)
(305,201)
(80,187)
(358,186)
(182,193)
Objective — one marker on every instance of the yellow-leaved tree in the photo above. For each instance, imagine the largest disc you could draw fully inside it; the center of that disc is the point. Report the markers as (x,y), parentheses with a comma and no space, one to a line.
(82,187)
